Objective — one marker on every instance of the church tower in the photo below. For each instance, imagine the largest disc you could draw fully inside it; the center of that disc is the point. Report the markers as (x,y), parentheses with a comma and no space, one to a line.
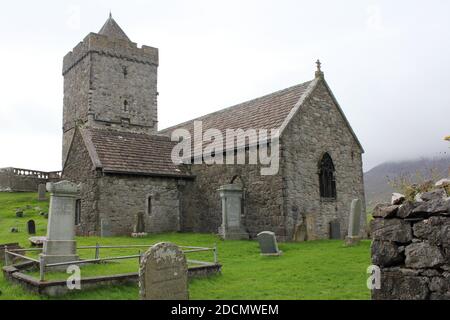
(109,82)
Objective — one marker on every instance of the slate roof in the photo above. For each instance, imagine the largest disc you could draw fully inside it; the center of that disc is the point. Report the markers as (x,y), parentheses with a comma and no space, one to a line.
(131,153)
(267,112)
(113,30)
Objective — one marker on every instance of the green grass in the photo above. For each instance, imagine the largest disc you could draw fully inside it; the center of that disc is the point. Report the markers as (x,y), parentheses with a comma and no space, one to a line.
(309,270)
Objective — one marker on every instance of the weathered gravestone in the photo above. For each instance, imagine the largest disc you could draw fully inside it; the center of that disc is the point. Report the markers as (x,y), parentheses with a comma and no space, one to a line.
(354,223)
(31,227)
(310,221)
(105,228)
(231,228)
(335,229)
(41,192)
(163,273)
(139,227)
(300,231)
(60,245)
(268,243)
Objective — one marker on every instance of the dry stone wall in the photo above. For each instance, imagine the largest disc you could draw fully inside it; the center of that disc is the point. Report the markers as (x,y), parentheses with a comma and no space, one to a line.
(411,245)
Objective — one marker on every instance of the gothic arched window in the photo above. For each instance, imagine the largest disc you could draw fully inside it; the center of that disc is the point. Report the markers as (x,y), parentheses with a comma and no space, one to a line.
(327,179)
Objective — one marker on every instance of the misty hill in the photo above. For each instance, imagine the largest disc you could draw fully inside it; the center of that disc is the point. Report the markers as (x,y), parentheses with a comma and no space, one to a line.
(376,180)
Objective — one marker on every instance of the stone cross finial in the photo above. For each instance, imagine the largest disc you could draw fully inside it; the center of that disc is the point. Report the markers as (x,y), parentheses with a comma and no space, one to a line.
(319,72)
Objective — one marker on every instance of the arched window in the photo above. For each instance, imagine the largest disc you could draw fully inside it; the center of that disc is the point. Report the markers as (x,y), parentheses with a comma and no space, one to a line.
(327,179)
(125,105)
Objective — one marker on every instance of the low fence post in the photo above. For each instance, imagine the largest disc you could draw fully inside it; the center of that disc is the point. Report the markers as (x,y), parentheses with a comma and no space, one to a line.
(6,256)
(97,251)
(139,258)
(215,253)
(41,268)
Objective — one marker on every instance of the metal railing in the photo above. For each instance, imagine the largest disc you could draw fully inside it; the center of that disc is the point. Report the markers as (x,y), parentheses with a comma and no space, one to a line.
(43,266)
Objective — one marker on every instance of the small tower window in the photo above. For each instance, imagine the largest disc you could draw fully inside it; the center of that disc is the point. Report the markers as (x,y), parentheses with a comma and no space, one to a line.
(125,72)
(327,179)
(77,212)
(125,105)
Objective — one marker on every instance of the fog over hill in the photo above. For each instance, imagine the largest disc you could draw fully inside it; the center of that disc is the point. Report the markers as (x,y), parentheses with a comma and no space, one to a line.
(376,180)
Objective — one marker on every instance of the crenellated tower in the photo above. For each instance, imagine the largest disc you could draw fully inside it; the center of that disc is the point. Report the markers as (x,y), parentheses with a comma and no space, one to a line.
(109,82)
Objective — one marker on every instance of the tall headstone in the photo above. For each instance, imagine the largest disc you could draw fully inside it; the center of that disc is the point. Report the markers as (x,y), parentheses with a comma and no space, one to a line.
(60,245)
(31,227)
(231,228)
(268,243)
(140,223)
(310,227)
(41,192)
(335,229)
(105,228)
(354,223)
(163,273)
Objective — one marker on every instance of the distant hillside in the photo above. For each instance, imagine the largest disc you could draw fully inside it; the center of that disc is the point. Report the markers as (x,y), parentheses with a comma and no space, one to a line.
(376,180)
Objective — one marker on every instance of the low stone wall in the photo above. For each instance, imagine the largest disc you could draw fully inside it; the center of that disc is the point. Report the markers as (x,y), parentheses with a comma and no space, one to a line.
(25,180)
(411,245)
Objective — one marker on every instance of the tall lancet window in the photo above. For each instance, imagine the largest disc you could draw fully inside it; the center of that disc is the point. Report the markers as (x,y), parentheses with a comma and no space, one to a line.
(327,179)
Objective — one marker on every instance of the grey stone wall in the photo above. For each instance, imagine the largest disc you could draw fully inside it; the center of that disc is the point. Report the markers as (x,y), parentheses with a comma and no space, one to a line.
(262,204)
(76,100)
(78,168)
(411,245)
(118,198)
(100,74)
(317,128)
(23,180)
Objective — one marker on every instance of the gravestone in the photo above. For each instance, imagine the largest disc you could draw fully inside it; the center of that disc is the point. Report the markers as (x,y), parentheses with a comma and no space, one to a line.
(163,273)
(105,228)
(31,227)
(354,223)
(140,223)
(37,241)
(300,231)
(310,227)
(268,243)
(41,192)
(335,229)
(60,245)
(231,228)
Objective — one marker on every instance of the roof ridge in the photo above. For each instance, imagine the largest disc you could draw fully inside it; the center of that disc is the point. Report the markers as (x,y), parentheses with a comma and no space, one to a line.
(182,124)
(118,131)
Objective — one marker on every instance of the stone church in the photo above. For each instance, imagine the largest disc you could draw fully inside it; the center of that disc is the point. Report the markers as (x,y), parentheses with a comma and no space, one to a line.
(112,146)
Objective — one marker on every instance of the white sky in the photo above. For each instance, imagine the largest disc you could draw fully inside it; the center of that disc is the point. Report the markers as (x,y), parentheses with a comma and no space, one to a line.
(387,62)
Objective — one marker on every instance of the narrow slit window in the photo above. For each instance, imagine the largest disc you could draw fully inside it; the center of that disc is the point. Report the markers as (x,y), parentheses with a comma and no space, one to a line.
(77,212)
(125,105)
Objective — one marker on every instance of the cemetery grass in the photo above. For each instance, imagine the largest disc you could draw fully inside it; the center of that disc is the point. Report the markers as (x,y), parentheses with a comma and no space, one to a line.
(323,269)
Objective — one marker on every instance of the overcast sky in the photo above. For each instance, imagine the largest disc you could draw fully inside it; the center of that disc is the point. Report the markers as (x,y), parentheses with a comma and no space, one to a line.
(387,62)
